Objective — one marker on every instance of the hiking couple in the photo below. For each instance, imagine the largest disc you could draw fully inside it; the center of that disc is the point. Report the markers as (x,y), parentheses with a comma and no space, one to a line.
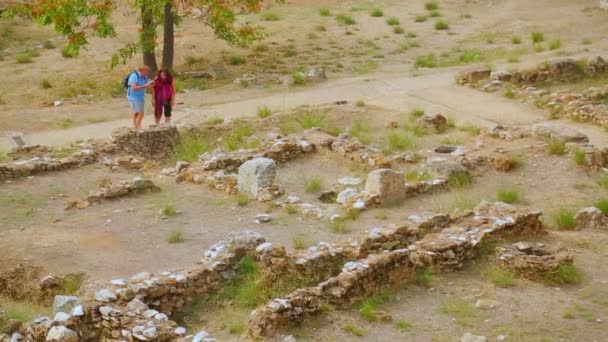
(162,91)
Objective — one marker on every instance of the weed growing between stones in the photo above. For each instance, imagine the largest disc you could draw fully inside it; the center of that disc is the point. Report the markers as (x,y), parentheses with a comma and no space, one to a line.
(339,226)
(241,138)
(472,129)
(508,194)
(300,242)
(176,236)
(291,209)
(368,308)
(461,310)
(563,218)
(418,176)
(499,276)
(424,276)
(20,310)
(313,184)
(400,141)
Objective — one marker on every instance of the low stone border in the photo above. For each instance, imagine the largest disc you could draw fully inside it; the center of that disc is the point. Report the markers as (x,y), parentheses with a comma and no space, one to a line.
(110,191)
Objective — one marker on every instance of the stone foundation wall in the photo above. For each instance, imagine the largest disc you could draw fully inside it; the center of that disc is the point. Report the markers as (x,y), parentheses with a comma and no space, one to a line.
(154,142)
(111,191)
(36,165)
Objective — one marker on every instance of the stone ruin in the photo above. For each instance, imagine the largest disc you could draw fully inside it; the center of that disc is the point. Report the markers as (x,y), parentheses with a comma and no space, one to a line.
(256,179)
(109,191)
(22,167)
(532,260)
(140,308)
(154,142)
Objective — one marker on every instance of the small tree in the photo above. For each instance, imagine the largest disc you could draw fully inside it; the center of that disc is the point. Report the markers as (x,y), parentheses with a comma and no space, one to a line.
(80,19)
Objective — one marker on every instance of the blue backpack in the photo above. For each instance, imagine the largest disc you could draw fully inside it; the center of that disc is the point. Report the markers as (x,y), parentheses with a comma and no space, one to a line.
(125,81)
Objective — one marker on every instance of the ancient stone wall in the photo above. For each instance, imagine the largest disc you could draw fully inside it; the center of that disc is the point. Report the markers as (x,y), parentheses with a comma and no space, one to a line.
(35,165)
(153,142)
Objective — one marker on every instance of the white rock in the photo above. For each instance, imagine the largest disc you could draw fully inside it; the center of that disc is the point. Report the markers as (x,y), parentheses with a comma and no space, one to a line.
(487,304)
(105,296)
(262,218)
(65,303)
(179,331)
(348,180)
(150,332)
(77,311)
(256,174)
(60,333)
(61,317)
(118,282)
(468,337)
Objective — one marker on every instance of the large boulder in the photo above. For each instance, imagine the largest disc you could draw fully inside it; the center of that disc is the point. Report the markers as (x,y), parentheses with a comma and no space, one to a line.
(389,185)
(256,174)
(590,218)
(444,167)
(555,131)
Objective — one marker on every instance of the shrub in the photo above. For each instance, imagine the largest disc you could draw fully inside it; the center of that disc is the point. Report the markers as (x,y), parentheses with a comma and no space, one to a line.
(431,5)
(556,147)
(190,148)
(263,112)
(64,123)
(214,121)
(509,93)
(516,40)
(353,214)
(565,274)
(420,18)
(602,205)
(537,37)
(291,209)
(603,181)
(45,84)
(300,242)
(270,16)
(312,120)
(24,58)
(426,61)
(460,179)
(539,47)
(324,12)
(393,21)
(345,19)
(242,200)
(461,310)
(424,276)
(508,195)
(236,60)
(377,12)
(434,14)
(579,157)
(472,129)
(68,52)
(500,277)
(360,103)
(416,112)
(442,25)
(563,218)
(586,41)
(399,140)
(398,30)
(175,236)
(313,184)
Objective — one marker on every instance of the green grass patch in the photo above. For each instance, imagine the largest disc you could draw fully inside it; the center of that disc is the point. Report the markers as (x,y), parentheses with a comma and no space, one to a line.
(300,242)
(324,12)
(556,147)
(563,218)
(537,37)
(508,194)
(424,276)
(400,140)
(555,44)
(472,129)
(393,21)
(190,148)
(500,277)
(377,12)
(460,179)
(313,184)
(263,112)
(441,25)
(398,30)
(469,56)
(579,157)
(368,307)
(345,19)
(421,18)
(361,131)
(565,274)
(431,6)
(355,330)
(168,210)
(603,181)
(236,60)
(291,209)
(602,204)
(18,208)
(242,200)
(176,236)
(241,137)
(64,123)
(21,310)
(426,61)
(403,326)
(516,40)
(270,16)
(461,310)
(339,226)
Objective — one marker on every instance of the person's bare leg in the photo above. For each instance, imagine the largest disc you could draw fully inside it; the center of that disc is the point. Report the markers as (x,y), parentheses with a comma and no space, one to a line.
(135,120)
(167,119)
(138,120)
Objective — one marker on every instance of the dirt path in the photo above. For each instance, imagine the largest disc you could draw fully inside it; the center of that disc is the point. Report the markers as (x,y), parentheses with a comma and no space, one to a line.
(435,92)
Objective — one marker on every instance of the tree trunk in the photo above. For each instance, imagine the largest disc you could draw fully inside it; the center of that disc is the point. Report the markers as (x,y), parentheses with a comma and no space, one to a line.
(147,39)
(169,37)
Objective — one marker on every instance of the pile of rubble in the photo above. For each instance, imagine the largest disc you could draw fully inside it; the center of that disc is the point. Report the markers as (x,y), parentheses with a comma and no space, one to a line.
(109,191)
(532,260)
(351,149)
(35,165)
(358,279)
(154,142)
